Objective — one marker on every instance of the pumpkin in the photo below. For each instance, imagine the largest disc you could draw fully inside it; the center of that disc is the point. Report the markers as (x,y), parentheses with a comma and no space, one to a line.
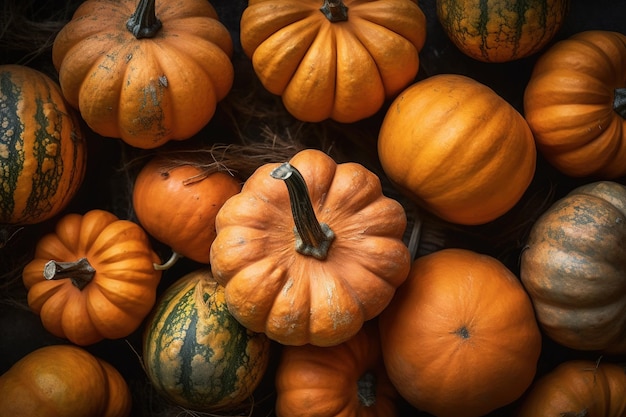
(458,149)
(501,30)
(142,72)
(460,337)
(177,205)
(194,351)
(574,268)
(63,381)
(574,103)
(337,59)
(42,147)
(310,260)
(578,388)
(92,278)
(348,379)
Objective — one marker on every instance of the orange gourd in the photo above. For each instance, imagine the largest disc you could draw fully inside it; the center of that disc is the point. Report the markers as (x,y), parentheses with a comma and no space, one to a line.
(457,148)
(143,72)
(63,381)
(460,338)
(92,278)
(309,250)
(336,59)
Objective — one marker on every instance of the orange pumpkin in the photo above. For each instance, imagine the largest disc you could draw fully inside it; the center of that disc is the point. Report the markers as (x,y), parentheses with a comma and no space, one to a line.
(460,338)
(142,72)
(345,380)
(342,63)
(578,388)
(63,381)
(177,205)
(457,148)
(575,104)
(92,278)
(311,259)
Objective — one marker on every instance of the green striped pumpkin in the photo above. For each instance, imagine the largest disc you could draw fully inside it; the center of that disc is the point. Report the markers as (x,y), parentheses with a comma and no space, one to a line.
(42,147)
(501,30)
(195,353)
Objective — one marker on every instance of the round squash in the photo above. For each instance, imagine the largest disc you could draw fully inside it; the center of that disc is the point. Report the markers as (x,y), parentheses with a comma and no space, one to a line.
(63,381)
(42,147)
(194,351)
(93,278)
(142,72)
(177,205)
(578,388)
(575,104)
(460,338)
(348,379)
(310,249)
(501,30)
(574,268)
(333,59)
(457,148)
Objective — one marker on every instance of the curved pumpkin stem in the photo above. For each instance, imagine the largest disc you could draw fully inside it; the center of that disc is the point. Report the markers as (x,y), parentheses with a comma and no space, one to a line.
(169,263)
(335,10)
(367,389)
(619,102)
(312,237)
(80,272)
(144,22)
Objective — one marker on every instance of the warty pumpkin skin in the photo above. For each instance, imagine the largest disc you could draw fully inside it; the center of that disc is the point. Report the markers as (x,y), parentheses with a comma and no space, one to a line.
(346,380)
(578,388)
(319,282)
(63,381)
(42,147)
(574,268)
(457,148)
(92,278)
(159,82)
(177,205)
(459,338)
(501,30)
(341,63)
(575,105)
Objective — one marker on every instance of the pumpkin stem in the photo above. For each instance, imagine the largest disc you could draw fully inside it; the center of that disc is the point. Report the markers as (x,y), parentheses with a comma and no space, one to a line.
(367,389)
(169,263)
(144,23)
(80,272)
(335,10)
(619,102)
(312,237)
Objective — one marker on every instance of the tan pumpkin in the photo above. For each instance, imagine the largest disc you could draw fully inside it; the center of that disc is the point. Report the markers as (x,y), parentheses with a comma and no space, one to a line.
(574,268)
(143,72)
(575,105)
(341,63)
(309,250)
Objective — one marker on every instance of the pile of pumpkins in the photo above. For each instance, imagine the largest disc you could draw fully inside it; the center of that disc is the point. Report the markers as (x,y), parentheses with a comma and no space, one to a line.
(308,256)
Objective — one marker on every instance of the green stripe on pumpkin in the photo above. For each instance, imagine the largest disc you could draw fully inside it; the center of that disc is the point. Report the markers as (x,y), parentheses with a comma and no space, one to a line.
(11,143)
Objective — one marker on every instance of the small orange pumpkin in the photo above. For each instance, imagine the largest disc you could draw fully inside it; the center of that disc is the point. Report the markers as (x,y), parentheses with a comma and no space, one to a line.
(92,278)
(142,72)
(457,148)
(311,259)
(460,339)
(575,104)
(177,205)
(338,59)
(63,381)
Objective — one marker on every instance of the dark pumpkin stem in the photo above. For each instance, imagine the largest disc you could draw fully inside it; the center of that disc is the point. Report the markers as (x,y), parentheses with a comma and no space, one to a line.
(144,22)
(619,101)
(80,272)
(312,237)
(335,10)
(367,389)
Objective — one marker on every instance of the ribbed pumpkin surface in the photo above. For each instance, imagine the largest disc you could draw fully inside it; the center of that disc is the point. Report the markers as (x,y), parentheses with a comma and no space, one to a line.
(195,353)
(501,30)
(42,149)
